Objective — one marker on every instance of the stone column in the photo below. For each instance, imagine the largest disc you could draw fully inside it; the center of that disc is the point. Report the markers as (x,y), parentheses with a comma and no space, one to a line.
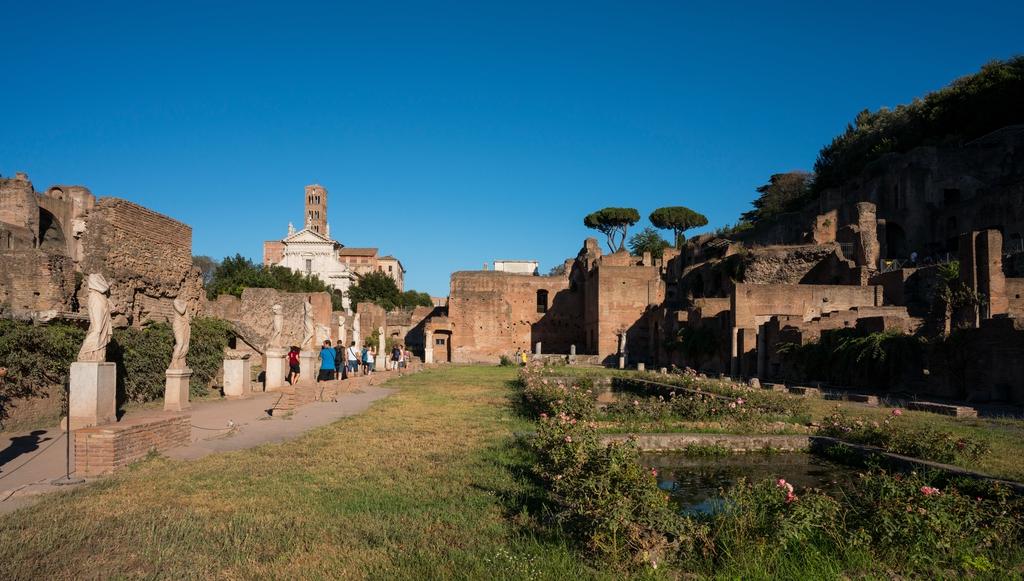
(734,367)
(307,367)
(93,394)
(428,347)
(277,368)
(237,376)
(342,335)
(176,392)
(536,349)
(382,349)
(762,351)
(572,349)
(641,367)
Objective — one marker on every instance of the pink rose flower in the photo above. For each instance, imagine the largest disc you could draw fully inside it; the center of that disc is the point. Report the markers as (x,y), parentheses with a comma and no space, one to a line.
(897,413)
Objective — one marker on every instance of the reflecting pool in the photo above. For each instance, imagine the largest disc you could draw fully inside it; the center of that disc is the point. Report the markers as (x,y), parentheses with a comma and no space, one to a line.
(694,483)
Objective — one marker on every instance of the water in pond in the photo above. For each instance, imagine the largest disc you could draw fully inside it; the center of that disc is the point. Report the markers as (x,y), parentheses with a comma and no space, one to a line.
(693,483)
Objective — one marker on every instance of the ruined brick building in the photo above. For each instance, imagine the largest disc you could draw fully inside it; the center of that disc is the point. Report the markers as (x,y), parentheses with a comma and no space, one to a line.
(842,261)
(49,240)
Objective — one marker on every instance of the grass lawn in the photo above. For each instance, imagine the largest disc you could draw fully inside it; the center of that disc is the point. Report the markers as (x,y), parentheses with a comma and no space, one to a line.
(427,484)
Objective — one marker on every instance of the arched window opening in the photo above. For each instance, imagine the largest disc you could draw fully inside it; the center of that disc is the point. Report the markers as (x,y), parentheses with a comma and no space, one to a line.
(542,301)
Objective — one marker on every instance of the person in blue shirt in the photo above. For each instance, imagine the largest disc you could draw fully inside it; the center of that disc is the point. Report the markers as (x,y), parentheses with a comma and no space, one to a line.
(326,363)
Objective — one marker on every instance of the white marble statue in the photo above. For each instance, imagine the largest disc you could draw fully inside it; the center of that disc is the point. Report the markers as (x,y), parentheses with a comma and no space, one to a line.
(307,325)
(275,334)
(100,327)
(181,325)
(355,329)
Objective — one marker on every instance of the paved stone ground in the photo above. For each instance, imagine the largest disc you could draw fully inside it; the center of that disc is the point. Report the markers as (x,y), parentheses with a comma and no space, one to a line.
(32,460)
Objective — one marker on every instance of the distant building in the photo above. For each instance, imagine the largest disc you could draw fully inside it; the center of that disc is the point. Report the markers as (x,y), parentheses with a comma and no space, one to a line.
(517,266)
(392,267)
(311,250)
(439,301)
(359,260)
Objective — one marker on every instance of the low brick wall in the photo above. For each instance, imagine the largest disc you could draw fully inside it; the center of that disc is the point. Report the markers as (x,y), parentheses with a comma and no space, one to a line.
(110,447)
(735,442)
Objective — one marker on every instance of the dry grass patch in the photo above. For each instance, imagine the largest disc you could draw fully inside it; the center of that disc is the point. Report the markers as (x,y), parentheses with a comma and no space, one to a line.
(416,487)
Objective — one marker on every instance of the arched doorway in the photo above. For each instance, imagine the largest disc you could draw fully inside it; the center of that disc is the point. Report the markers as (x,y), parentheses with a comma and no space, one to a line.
(895,241)
(51,235)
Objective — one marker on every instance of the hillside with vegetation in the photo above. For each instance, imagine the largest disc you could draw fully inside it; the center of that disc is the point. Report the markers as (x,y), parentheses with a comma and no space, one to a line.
(970,107)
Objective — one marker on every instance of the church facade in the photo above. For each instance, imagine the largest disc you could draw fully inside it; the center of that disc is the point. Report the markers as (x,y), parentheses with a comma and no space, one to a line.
(312,251)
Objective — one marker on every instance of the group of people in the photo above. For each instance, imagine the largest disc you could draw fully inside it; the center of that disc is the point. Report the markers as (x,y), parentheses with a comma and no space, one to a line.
(355,360)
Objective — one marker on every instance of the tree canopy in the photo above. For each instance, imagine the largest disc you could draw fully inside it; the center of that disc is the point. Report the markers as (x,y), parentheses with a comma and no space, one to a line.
(207,265)
(648,240)
(233,275)
(678,219)
(970,107)
(784,192)
(614,223)
(380,289)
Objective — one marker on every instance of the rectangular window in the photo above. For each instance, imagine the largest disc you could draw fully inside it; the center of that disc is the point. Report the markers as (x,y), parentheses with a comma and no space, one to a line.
(309,266)
(438,341)
(389,268)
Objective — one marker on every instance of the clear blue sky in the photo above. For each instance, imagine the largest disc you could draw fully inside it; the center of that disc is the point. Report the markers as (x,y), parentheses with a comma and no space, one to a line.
(454,134)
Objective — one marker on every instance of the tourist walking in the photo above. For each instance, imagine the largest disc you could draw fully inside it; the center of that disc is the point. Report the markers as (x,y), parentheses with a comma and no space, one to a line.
(327,355)
(352,356)
(293,365)
(370,352)
(340,363)
(396,359)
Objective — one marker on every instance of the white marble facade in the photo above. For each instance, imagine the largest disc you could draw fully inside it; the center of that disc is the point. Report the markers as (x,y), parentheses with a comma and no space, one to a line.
(312,253)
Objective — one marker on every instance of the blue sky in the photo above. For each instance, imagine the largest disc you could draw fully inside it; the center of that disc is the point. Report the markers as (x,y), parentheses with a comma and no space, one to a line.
(454,134)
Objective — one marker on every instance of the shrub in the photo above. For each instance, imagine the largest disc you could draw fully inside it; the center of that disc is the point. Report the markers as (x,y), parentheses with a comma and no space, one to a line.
(894,435)
(143,355)
(506,361)
(697,398)
(548,395)
(35,357)
(602,497)
(210,337)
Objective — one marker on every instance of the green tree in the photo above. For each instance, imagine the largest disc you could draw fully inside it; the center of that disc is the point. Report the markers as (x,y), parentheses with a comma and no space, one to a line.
(678,219)
(377,288)
(614,223)
(207,265)
(784,192)
(233,275)
(557,270)
(648,240)
(411,298)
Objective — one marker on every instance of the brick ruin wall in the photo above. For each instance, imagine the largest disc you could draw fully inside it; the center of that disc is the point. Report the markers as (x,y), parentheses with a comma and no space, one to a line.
(37,280)
(616,299)
(145,256)
(495,313)
(253,313)
(751,301)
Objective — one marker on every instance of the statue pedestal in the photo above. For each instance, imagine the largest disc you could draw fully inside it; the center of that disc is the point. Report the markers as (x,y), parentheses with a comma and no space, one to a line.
(176,394)
(93,394)
(237,380)
(277,368)
(307,367)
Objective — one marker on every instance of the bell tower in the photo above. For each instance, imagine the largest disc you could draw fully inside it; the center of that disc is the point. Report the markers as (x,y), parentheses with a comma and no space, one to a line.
(316,209)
